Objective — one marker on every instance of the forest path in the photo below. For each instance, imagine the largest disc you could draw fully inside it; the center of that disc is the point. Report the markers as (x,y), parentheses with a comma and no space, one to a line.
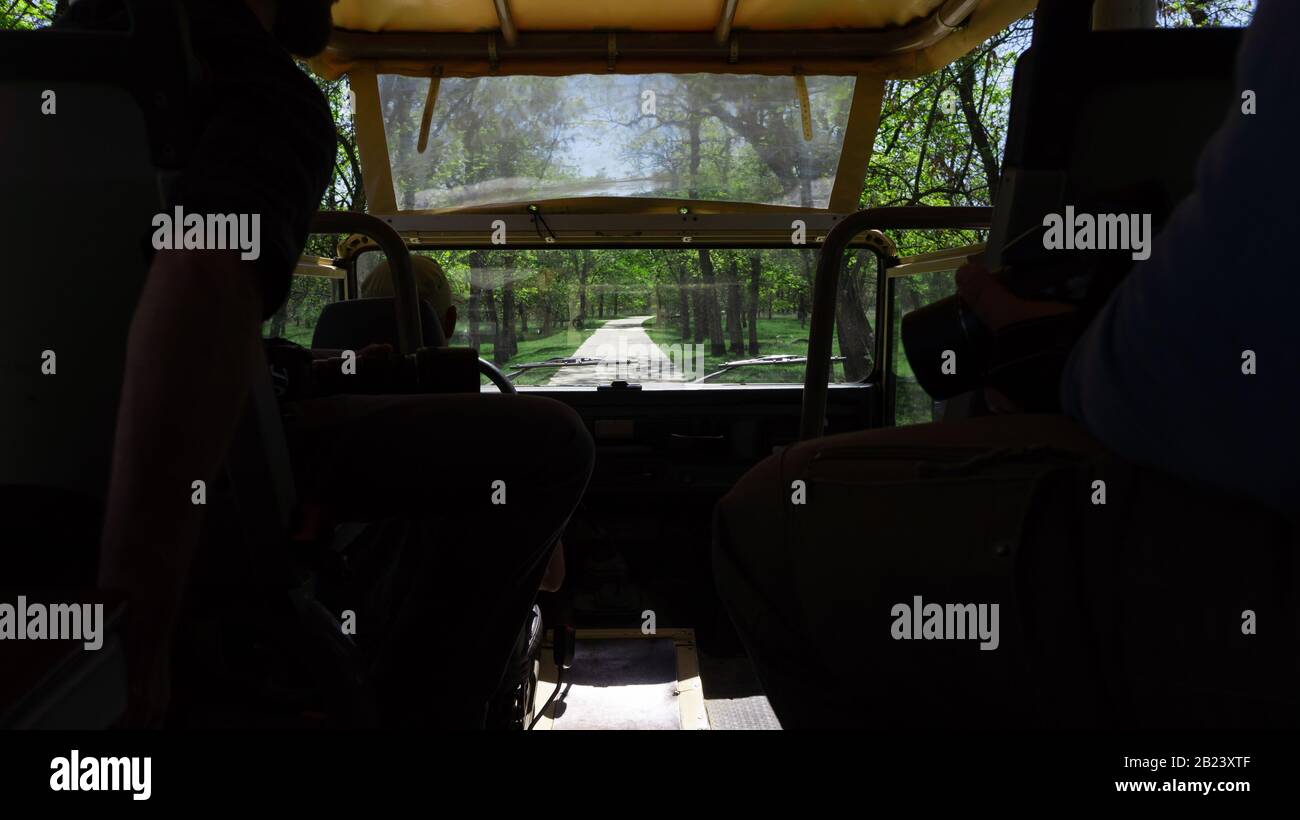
(628,352)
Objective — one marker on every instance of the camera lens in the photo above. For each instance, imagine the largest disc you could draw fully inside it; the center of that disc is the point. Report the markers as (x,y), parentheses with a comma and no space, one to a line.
(947,347)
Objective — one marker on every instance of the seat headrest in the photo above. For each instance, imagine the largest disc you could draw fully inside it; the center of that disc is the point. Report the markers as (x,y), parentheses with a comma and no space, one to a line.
(1112,122)
(354,323)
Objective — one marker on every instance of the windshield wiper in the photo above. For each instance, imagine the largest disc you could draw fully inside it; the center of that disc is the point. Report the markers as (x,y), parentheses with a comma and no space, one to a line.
(558,361)
(727,367)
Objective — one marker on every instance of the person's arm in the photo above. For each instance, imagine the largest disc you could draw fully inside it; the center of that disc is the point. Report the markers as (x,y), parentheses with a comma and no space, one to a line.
(265,149)
(1161,374)
(193,344)
(994,304)
(998,308)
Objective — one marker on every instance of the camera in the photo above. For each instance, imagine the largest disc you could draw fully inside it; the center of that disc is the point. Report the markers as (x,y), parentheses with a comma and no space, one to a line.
(1071,254)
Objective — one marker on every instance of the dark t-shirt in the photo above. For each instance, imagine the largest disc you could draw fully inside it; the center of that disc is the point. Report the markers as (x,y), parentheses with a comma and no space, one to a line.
(264,135)
(1192,365)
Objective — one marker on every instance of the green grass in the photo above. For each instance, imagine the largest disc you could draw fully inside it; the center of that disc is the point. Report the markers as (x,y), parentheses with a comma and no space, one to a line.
(912,405)
(540,348)
(780,335)
(299,334)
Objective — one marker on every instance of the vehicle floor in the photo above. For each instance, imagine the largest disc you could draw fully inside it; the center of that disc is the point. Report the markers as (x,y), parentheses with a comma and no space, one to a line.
(624,576)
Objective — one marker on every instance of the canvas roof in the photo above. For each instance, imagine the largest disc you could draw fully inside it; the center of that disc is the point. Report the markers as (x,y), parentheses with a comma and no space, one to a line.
(870,40)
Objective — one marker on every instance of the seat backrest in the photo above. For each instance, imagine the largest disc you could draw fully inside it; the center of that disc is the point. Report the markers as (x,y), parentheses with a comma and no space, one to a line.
(1109,122)
(94,125)
(84,141)
(79,196)
(86,150)
(354,323)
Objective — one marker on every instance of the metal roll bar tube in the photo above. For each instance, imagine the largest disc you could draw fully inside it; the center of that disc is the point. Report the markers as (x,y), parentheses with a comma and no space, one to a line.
(826,286)
(405,296)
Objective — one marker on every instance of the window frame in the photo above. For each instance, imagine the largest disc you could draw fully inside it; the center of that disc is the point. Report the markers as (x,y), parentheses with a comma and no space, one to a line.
(740,244)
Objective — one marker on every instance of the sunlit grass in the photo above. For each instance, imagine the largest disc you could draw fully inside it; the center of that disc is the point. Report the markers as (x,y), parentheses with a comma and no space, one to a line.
(538,349)
(778,336)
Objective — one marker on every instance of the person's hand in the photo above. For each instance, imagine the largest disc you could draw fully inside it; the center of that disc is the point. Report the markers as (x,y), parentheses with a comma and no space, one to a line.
(995,305)
(997,308)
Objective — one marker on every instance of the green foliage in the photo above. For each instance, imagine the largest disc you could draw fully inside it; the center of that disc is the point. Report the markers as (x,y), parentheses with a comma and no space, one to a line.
(556,345)
(939,142)
(519,138)
(1199,13)
(22,15)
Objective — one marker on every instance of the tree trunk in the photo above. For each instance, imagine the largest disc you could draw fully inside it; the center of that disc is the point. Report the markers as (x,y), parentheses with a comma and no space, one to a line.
(701,314)
(805,288)
(854,331)
(684,310)
(684,300)
(978,134)
(755,272)
(735,332)
(508,342)
(278,321)
(581,264)
(474,308)
(713,311)
(500,348)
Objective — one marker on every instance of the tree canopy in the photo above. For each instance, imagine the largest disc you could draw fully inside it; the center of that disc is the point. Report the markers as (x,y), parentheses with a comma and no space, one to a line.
(939,142)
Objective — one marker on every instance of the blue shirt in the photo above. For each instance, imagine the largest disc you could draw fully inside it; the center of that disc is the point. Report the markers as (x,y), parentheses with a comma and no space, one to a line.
(1158,375)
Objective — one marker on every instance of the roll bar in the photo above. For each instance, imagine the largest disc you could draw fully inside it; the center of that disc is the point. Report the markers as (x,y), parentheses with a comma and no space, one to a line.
(405,296)
(821,326)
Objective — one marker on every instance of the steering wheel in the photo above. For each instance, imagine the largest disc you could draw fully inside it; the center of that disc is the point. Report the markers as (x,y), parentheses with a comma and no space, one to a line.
(495,376)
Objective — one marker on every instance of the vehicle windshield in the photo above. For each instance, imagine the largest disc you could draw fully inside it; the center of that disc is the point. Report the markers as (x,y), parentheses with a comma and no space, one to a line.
(655,317)
(694,136)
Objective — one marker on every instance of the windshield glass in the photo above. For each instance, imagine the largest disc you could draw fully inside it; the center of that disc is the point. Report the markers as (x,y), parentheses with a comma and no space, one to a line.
(695,136)
(655,317)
